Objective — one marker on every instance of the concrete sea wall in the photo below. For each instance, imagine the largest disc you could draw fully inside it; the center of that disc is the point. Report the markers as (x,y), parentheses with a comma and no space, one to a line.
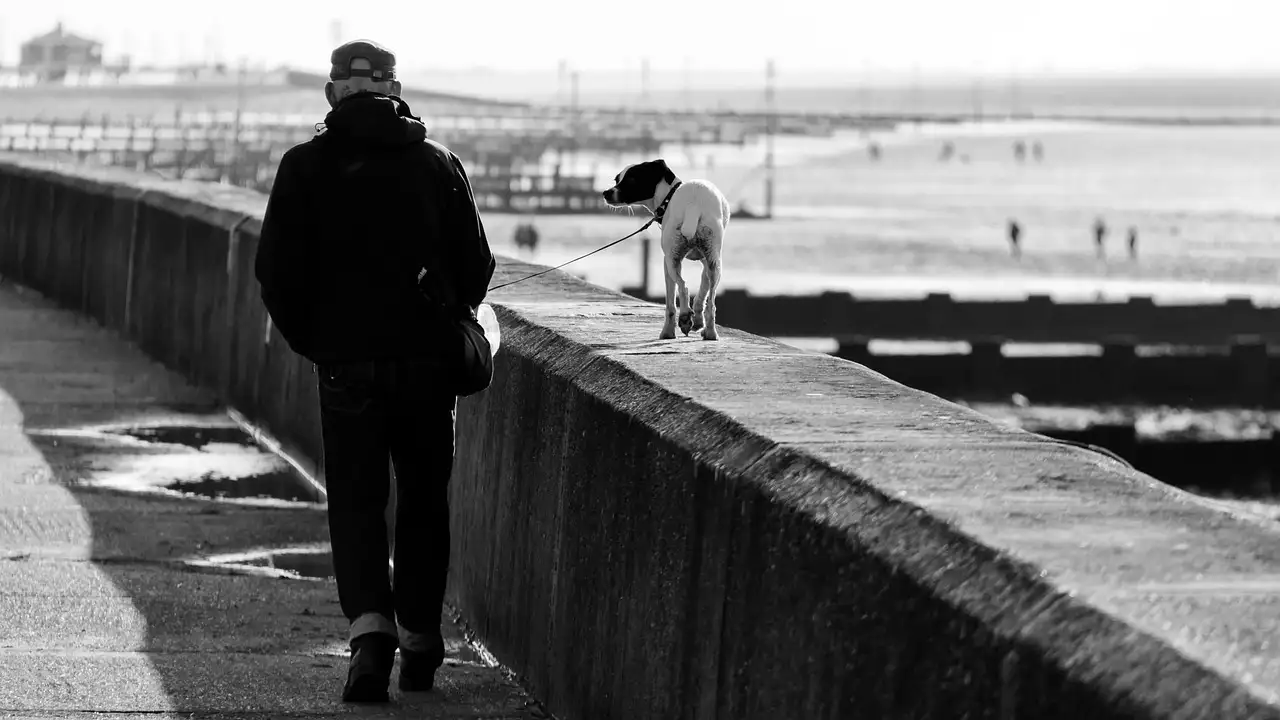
(648,529)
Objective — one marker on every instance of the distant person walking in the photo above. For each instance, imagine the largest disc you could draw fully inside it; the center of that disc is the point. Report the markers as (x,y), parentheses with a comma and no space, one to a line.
(1133,243)
(1015,239)
(526,236)
(371,241)
(1037,151)
(1099,237)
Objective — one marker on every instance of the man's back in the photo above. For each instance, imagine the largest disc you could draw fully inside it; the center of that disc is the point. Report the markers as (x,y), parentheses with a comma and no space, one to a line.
(353,218)
(354,214)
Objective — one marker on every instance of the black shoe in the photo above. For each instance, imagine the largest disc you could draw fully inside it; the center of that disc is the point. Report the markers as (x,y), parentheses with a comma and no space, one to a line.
(418,670)
(372,656)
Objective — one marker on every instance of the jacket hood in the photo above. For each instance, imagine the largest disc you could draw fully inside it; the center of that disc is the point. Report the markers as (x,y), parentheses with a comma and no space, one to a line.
(373,119)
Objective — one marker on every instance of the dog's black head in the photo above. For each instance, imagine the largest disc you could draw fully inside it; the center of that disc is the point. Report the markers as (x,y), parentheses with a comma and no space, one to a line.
(639,182)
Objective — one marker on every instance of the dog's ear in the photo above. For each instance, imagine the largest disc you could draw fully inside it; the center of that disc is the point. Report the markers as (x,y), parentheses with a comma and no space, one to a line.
(666,171)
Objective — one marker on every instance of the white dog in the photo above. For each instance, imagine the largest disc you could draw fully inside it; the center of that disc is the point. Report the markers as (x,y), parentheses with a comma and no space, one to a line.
(693,216)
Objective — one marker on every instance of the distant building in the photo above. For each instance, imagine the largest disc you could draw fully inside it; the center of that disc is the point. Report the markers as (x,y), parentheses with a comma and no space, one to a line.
(56,54)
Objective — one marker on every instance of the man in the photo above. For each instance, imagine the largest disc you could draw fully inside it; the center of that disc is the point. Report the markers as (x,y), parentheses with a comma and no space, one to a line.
(354,215)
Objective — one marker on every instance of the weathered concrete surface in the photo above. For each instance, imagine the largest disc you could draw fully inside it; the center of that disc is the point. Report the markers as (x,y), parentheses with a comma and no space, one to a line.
(732,529)
(770,531)
(98,615)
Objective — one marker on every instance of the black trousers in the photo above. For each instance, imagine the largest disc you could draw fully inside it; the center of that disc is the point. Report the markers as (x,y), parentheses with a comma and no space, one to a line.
(369,412)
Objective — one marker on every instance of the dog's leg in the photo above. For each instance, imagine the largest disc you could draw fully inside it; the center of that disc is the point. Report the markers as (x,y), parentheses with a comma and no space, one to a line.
(711,282)
(684,311)
(690,317)
(669,323)
(685,315)
(699,302)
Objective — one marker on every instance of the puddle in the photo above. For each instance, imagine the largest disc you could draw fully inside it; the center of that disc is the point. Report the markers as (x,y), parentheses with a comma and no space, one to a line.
(278,484)
(196,437)
(206,456)
(306,562)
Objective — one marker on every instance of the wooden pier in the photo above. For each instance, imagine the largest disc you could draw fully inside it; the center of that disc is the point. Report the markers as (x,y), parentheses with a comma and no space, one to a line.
(504,154)
(223,126)
(248,155)
(228,127)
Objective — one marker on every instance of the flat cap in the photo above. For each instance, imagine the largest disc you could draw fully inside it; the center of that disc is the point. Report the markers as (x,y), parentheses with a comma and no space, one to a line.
(382,62)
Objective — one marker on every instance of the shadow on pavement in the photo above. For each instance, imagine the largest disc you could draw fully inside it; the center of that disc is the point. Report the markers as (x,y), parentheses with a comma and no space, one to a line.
(101,610)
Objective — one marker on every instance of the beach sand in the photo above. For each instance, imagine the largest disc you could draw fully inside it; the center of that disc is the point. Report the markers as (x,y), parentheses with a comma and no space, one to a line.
(1201,199)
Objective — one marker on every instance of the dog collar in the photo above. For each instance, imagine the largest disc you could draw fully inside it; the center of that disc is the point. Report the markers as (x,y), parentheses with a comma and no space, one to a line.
(662,207)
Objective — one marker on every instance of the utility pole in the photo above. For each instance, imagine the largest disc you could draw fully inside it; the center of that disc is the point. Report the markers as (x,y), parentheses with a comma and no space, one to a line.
(158,55)
(1013,94)
(236,153)
(575,128)
(184,52)
(573,98)
(866,90)
(770,128)
(644,83)
(562,74)
(687,63)
(914,107)
(219,47)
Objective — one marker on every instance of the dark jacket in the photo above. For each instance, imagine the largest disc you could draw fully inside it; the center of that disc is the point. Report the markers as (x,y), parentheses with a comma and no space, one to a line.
(353,215)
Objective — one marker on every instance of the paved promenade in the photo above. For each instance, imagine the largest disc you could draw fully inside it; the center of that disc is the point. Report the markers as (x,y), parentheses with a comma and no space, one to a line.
(101,609)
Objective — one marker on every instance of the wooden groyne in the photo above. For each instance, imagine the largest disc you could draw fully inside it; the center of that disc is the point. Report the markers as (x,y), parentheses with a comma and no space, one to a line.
(1034,319)
(1196,356)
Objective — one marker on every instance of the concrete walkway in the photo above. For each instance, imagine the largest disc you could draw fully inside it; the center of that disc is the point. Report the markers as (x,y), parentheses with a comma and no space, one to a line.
(100,610)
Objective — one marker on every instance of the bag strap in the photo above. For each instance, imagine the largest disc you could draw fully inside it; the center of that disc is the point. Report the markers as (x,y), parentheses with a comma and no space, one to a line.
(440,284)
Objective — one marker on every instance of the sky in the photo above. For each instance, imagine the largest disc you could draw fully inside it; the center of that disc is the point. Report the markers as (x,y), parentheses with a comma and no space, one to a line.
(924,37)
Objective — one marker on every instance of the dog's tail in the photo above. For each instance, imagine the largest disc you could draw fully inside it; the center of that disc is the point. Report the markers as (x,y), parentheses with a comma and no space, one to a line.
(692,216)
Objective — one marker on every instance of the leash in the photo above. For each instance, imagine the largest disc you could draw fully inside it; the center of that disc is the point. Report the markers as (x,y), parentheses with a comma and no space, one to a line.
(593,252)
(657,218)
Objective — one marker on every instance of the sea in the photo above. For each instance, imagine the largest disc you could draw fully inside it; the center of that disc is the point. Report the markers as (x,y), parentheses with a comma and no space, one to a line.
(1201,197)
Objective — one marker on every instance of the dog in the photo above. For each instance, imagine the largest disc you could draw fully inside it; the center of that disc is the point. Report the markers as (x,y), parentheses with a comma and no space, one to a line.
(693,216)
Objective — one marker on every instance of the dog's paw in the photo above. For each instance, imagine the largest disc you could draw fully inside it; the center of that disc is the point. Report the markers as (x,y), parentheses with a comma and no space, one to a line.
(668,333)
(686,322)
(709,333)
